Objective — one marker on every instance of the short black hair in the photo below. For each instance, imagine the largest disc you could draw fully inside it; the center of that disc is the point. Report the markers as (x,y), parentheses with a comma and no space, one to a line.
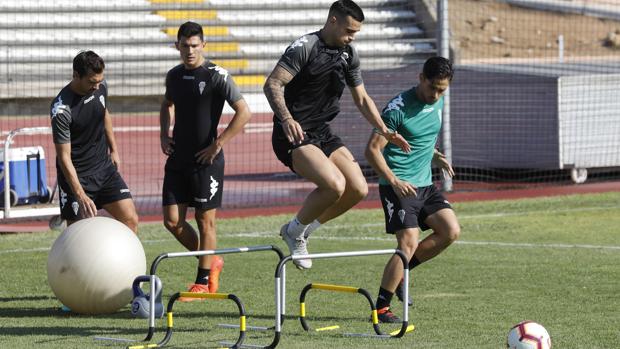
(87,63)
(189,29)
(343,8)
(438,68)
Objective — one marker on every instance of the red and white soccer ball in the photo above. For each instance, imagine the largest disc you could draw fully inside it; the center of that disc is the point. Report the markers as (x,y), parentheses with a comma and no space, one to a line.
(528,335)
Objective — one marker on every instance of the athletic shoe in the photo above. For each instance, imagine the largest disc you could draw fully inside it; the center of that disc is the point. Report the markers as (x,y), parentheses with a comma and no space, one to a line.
(400,293)
(296,247)
(385,316)
(217,263)
(195,288)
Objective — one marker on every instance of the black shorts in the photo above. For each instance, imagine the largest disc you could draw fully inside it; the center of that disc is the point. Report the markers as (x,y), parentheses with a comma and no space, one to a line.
(322,138)
(199,186)
(411,211)
(104,187)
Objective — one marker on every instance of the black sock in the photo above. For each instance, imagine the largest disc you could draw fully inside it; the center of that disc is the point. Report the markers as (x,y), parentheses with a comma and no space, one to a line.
(414,262)
(384,298)
(202,277)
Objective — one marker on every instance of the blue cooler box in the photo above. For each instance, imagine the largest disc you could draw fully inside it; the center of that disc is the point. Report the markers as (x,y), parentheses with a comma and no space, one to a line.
(28,177)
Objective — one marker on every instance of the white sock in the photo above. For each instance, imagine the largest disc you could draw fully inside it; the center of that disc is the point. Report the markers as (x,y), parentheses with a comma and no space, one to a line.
(295,228)
(311,227)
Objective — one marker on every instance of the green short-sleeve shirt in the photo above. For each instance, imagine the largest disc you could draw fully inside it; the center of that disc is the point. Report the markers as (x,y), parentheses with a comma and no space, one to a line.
(419,123)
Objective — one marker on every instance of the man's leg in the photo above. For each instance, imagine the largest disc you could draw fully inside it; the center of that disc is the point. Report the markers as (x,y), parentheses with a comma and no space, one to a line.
(124,211)
(355,189)
(392,274)
(174,221)
(206,230)
(446,230)
(211,265)
(310,163)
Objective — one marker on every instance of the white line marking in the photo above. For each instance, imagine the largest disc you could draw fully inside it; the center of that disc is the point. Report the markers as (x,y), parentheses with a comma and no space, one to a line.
(25,250)
(461,242)
(267,234)
(319,236)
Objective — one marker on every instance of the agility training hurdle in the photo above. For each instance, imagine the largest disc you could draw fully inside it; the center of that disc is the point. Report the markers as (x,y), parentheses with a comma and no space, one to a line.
(333,288)
(169,317)
(345,289)
(280,286)
(153,280)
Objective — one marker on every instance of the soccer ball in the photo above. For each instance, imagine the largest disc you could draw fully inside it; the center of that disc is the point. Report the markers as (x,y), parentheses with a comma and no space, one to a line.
(528,335)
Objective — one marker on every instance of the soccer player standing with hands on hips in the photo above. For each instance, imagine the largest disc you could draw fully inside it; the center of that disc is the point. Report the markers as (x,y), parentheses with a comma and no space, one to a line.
(410,200)
(87,158)
(194,173)
(304,91)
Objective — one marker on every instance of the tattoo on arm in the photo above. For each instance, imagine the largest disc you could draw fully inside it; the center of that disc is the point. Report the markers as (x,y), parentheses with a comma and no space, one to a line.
(274,91)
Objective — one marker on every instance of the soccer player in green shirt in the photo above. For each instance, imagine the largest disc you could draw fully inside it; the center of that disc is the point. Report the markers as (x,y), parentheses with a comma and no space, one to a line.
(410,200)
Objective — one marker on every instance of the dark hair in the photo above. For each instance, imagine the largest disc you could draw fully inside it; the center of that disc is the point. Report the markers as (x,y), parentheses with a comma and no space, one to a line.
(343,8)
(438,68)
(87,63)
(189,29)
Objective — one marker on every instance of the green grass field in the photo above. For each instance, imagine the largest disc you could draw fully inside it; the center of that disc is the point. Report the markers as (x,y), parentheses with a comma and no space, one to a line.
(552,260)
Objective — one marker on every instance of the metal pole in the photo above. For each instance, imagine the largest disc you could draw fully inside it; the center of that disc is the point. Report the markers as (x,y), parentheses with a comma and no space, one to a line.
(443,38)
(560,48)
(7,175)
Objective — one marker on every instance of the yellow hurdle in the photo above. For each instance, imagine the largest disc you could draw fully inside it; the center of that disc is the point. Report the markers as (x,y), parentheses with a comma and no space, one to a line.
(336,288)
(327,328)
(409,329)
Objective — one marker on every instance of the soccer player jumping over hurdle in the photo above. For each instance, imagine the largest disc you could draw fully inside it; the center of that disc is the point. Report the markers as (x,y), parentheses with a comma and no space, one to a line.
(194,174)
(304,91)
(410,200)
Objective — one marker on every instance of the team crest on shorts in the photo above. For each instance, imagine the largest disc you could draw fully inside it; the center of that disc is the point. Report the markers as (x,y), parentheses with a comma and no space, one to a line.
(401,215)
(75,206)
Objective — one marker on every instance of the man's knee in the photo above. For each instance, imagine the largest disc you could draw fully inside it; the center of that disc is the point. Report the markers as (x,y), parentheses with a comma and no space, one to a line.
(173,224)
(408,243)
(452,233)
(206,222)
(132,222)
(359,190)
(335,187)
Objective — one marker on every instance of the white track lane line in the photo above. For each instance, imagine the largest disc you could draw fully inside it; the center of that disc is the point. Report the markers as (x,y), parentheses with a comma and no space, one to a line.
(266,234)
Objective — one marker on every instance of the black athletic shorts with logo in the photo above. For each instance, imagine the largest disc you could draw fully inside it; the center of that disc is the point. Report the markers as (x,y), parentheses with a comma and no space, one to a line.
(322,138)
(199,186)
(410,211)
(103,187)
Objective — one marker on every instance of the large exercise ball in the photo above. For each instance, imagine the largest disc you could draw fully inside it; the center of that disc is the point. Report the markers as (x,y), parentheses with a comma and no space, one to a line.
(92,265)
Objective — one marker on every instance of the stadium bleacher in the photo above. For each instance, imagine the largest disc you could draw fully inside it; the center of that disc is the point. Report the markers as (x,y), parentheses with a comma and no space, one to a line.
(136,39)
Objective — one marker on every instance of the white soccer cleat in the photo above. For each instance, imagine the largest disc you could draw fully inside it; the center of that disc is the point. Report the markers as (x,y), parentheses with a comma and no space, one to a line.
(297,246)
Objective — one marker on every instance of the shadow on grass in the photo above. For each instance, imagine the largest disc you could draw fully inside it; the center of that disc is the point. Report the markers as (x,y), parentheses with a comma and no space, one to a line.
(66,331)
(233,315)
(23,312)
(25,298)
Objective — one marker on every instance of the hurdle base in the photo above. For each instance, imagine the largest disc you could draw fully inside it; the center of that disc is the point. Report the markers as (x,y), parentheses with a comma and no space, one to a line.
(253,328)
(119,340)
(230,344)
(371,335)
(410,328)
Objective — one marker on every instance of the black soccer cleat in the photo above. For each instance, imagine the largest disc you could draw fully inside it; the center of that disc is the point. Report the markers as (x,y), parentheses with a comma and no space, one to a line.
(385,316)
(400,293)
